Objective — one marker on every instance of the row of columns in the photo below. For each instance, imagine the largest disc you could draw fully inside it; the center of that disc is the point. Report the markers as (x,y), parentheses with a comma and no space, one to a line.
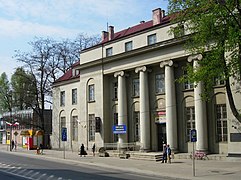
(171,109)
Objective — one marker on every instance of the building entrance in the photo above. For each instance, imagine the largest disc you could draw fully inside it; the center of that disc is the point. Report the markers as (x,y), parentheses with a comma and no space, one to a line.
(161,135)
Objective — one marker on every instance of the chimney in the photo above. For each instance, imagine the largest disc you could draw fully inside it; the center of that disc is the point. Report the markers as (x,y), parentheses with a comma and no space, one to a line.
(111,32)
(157,15)
(104,35)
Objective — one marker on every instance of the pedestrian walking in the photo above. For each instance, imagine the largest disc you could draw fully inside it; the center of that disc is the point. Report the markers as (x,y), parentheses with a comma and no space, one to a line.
(41,149)
(164,154)
(168,152)
(93,149)
(12,144)
(82,150)
(15,145)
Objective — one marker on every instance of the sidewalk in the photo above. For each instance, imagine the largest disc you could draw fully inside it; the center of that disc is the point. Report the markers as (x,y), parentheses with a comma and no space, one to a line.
(178,169)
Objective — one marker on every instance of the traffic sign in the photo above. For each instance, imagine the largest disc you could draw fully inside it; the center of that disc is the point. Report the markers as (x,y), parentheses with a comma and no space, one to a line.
(119,129)
(64,134)
(193,135)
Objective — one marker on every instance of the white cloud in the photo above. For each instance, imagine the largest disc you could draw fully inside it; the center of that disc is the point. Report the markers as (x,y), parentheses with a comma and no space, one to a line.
(15,28)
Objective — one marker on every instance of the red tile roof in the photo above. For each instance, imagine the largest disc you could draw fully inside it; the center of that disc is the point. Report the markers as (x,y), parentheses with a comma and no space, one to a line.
(68,74)
(137,28)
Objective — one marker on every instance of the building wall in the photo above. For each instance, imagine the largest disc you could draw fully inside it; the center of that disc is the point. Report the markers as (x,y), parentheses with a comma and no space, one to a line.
(100,72)
(68,111)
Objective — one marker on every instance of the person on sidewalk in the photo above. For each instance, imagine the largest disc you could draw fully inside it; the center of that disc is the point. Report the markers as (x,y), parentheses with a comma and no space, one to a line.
(164,154)
(12,144)
(15,145)
(93,149)
(82,150)
(168,153)
(41,149)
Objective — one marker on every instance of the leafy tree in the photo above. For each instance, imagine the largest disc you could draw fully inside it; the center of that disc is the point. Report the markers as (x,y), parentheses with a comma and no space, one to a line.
(5,94)
(46,62)
(215,32)
(23,91)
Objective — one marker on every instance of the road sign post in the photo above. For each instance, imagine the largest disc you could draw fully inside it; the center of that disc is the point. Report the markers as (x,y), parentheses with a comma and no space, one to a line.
(193,136)
(64,137)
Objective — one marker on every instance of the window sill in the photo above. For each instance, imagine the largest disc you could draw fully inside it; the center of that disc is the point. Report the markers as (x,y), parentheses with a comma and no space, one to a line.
(93,101)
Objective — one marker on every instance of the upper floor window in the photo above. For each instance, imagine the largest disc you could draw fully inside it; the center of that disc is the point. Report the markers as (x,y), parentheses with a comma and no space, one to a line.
(115,89)
(187,84)
(178,31)
(62,98)
(151,39)
(128,46)
(91,92)
(160,83)
(219,81)
(109,52)
(222,126)
(135,86)
(74,96)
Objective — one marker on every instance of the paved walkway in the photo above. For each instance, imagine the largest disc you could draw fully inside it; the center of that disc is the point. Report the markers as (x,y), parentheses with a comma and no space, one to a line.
(179,168)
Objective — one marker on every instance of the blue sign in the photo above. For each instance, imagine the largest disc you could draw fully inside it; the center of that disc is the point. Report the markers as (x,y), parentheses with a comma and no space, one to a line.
(193,135)
(119,129)
(64,134)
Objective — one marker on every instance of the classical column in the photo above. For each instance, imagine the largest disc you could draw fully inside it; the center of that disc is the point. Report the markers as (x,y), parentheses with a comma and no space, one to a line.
(171,112)
(200,109)
(144,109)
(122,105)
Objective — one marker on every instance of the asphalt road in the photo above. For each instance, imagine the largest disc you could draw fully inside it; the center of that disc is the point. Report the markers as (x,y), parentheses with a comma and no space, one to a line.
(19,167)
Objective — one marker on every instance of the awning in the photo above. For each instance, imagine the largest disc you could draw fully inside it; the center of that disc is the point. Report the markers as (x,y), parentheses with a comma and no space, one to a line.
(39,133)
(25,133)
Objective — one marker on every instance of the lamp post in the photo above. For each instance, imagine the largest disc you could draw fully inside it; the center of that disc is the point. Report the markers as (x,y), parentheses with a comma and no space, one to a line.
(11,120)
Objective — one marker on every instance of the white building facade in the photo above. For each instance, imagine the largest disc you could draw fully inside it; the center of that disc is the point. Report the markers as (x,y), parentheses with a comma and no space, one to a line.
(129,80)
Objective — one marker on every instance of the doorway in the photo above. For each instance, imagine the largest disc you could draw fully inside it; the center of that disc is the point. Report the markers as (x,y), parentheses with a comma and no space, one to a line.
(161,135)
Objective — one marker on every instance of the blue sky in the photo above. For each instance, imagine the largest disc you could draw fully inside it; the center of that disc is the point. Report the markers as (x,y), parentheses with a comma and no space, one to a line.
(22,20)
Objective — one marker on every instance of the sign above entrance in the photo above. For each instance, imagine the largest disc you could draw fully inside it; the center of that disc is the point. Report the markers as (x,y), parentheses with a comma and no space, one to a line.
(119,129)
(160,117)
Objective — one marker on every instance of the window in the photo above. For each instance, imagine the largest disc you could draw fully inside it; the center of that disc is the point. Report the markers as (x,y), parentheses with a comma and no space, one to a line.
(75,128)
(136,89)
(63,122)
(190,119)
(115,137)
(151,39)
(109,52)
(91,92)
(91,127)
(128,46)
(137,126)
(62,98)
(160,83)
(178,31)
(74,96)
(115,91)
(219,81)
(187,84)
(222,127)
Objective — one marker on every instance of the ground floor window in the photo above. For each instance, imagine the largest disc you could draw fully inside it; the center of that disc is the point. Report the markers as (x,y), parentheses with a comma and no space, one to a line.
(190,120)
(91,127)
(137,126)
(75,128)
(115,136)
(222,126)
